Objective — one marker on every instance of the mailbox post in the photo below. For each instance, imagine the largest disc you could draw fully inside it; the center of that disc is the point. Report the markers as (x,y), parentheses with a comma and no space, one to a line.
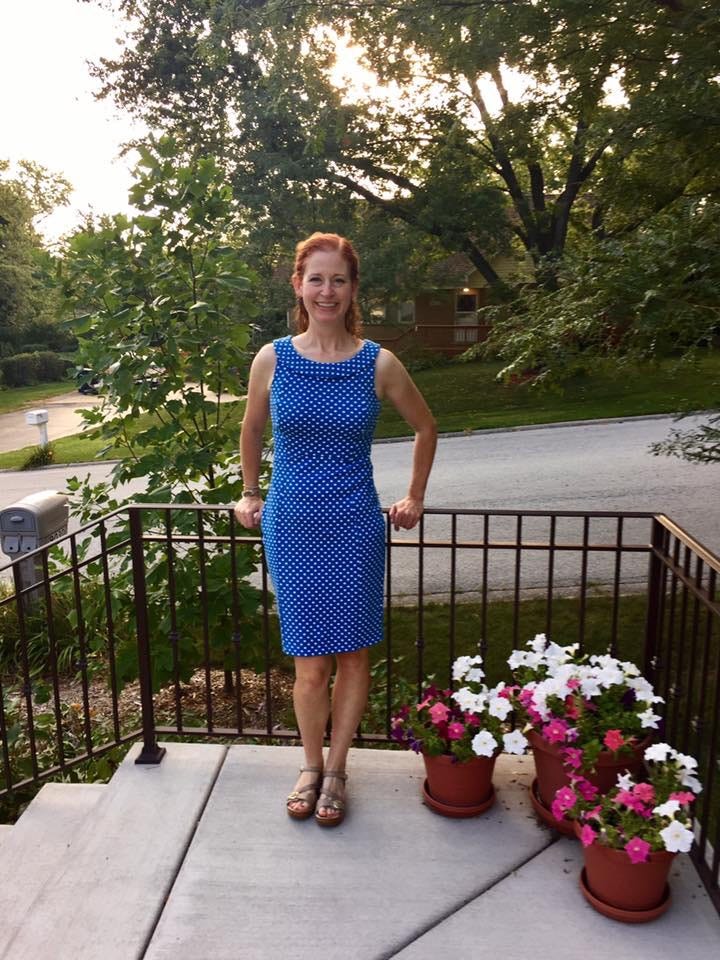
(31,523)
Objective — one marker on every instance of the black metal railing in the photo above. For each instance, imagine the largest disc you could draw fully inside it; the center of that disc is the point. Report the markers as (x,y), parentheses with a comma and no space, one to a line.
(176,597)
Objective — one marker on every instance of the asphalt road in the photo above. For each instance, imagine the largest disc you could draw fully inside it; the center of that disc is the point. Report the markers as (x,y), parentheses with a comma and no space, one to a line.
(589,467)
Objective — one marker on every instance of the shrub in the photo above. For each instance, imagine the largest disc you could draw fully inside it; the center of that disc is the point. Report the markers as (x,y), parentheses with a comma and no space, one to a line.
(40,457)
(25,369)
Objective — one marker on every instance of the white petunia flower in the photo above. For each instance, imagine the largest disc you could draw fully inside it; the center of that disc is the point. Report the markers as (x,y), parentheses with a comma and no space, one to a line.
(590,687)
(609,676)
(688,780)
(643,690)
(625,781)
(539,643)
(499,707)
(686,762)
(677,838)
(475,675)
(630,669)
(667,809)
(484,744)
(658,752)
(649,719)
(469,701)
(461,665)
(514,742)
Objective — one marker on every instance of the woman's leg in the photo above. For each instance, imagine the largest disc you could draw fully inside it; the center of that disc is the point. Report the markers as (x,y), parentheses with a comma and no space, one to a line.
(349,699)
(312,708)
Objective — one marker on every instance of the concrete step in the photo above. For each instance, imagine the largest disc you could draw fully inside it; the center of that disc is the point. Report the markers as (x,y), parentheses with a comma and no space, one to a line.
(32,849)
(104,897)
(5,830)
(257,885)
(539,911)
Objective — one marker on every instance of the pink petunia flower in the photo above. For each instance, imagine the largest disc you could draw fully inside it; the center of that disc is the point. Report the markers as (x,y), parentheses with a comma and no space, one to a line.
(683,796)
(638,850)
(555,730)
(613,740)
(587,790)
(426,701)
(455,731)
(572,757)
(571,709)
(439,713)
(587,835)
(644,792)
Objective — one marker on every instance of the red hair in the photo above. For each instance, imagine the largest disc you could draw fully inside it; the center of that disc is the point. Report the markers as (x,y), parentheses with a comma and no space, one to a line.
(330,242)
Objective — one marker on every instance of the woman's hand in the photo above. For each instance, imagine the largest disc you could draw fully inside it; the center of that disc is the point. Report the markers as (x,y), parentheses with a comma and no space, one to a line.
(406,513)
(248,511)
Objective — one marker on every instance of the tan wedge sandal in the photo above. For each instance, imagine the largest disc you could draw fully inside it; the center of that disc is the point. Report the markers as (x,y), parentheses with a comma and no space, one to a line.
(331,800)
(299,795)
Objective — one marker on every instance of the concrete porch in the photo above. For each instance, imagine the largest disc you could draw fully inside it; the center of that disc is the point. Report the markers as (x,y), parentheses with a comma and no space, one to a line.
(195,859)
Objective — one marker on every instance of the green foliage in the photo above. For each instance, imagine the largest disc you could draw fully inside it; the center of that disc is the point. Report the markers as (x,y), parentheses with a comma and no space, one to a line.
(450,140)
(40,457)
(161,305)
(72,723)
(28,293)
(650,296)
(26,369)
(698,445)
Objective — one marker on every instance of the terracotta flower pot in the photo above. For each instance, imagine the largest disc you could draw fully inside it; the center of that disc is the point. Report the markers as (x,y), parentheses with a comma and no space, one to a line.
(457,789)
(551,775)
(623,890)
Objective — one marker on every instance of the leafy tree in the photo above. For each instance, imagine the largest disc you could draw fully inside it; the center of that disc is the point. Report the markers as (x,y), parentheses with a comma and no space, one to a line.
(650,295)
(168,303)
(698,445)
(28,297)
(452,150)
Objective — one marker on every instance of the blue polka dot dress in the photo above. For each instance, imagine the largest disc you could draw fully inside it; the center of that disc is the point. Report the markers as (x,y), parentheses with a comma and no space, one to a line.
(322,527)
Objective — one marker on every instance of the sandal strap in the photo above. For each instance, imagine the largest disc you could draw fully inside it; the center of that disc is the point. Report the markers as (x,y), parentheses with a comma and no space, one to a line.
(331,800)
(298,794)
(338,774)
(311,769)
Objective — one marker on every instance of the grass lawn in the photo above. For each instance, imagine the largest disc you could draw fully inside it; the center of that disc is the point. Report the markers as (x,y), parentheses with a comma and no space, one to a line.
(17,398)
(466,396)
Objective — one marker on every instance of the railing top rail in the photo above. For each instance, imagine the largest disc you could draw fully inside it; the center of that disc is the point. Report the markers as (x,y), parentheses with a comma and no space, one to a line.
(706,555)
(433,511)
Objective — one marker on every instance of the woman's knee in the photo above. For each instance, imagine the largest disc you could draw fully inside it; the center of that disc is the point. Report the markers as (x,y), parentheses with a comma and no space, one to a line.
(356,662)
(312,674)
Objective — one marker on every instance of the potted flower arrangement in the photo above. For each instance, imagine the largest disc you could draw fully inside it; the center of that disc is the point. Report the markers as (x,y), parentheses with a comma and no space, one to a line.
(459,734)
(584,714)
(631,834)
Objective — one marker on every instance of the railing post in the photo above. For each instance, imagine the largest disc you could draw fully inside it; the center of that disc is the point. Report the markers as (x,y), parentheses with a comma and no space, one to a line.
(653,624)
(151,752)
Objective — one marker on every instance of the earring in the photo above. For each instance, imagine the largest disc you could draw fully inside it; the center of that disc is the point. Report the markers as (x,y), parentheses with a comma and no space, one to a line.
(299,301)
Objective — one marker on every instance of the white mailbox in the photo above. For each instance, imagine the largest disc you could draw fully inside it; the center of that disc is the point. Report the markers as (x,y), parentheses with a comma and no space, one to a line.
(36,417)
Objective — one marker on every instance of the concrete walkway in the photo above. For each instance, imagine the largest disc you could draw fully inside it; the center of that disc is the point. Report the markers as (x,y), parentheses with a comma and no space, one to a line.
(197,860)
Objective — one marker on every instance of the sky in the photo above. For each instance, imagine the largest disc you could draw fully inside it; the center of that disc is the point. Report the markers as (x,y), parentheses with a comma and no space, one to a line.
(47,110)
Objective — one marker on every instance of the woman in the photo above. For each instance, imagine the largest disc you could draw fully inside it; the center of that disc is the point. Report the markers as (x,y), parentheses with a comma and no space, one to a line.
(323,531)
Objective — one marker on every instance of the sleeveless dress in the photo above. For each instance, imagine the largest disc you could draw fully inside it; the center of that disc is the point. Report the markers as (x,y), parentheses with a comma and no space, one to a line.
(323,531)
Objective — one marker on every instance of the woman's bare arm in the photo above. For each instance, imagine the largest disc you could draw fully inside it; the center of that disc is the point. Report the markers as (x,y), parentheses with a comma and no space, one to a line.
(257,410)
(394,383)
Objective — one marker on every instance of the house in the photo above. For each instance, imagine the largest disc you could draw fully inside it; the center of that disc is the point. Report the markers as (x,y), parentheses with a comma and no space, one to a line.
(447,317)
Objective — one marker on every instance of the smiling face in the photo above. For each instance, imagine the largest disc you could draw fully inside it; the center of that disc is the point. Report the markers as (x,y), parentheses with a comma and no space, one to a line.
(325,287)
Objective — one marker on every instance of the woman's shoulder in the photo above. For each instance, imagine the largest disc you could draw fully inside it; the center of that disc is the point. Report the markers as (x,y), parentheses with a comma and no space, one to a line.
(266,357)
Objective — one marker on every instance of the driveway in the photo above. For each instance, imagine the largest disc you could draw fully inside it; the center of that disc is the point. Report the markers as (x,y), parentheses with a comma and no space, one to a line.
(64,419)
